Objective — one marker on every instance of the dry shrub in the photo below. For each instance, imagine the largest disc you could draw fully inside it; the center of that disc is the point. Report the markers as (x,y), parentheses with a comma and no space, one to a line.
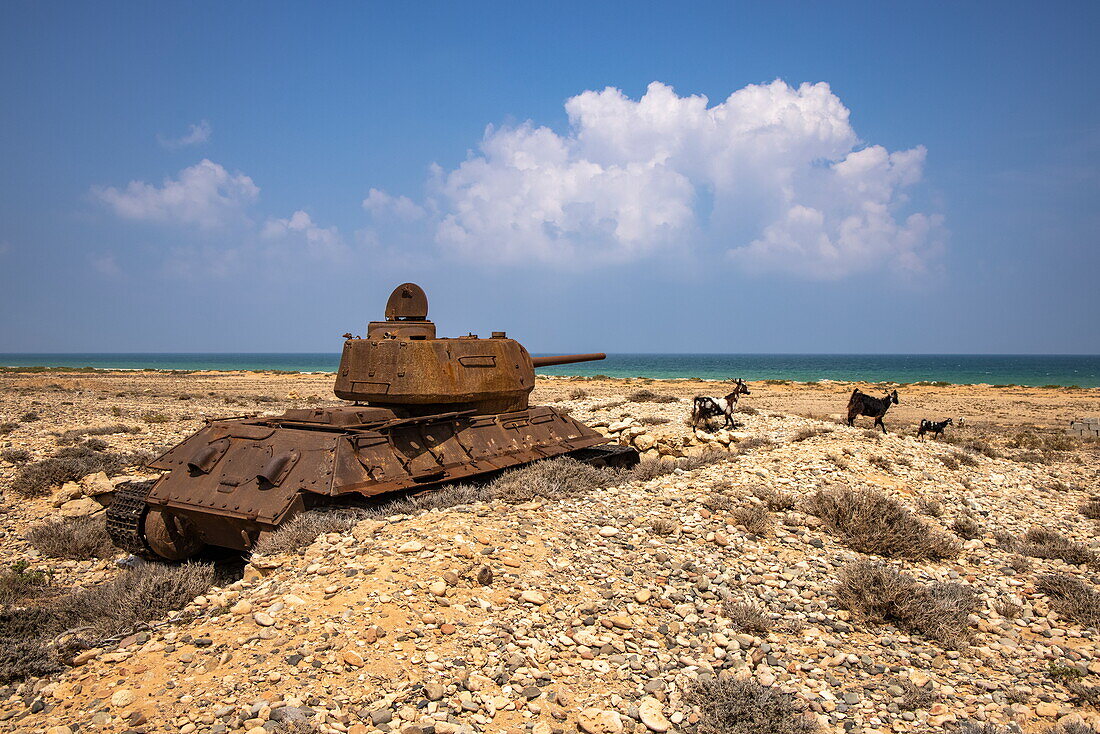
(663,526)
(648,469)
(578,394)
(1007,608)
(68,438)
(654,420)
(965,458)
(19,582)
(930,506)
(965,526)
(1072,598)
(756,442)
(552,479)
(70,464)
(733,706)
(878,593)
(981,446)
(837,461)
(881,462)
(950,461)
(717,500)
(306,527)
(1091,509)
(915,697)
(648,396)
(114,607)
(76,538)
(15,456)
(703,458)
(871,522)
(806,433)
(7,427)
(609,405)
(746,616)
(754,518)
(1043,543)
(1020,564)
(748,410)
(775,500)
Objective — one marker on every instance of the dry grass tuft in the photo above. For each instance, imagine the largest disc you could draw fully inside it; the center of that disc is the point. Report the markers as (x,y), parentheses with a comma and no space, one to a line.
(76,538)
(871,522)
(646,395)
(306,527)
(1043,543)
(1072,598)
(578,394)
(880,461)
(15,456)
(754,518)
(965,526)
(756,442)
(930,506)
(95,613)
(775,500)
(878,593)
(807,433)
(1091,509)
(552,479)
(733,706)
(70,464)
(703,458)
(67,438)
(663,526)
(654,420)
(746,617)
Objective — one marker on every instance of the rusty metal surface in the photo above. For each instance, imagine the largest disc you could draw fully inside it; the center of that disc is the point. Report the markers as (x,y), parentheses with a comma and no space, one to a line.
(437,410)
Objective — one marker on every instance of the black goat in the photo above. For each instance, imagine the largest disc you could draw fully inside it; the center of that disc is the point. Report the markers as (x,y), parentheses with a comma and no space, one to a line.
(936,429)
(863,404)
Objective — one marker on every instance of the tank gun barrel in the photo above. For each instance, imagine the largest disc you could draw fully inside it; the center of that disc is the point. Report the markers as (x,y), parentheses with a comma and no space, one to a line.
(566,359)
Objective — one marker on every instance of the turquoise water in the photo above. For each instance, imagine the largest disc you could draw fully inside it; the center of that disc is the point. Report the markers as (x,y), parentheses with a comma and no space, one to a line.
(996,369)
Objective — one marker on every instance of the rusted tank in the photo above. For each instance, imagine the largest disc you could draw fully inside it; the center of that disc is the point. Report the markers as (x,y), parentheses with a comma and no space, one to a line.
(422,410)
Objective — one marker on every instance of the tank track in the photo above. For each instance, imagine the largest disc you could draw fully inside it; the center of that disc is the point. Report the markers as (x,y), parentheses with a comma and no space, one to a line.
(124,517)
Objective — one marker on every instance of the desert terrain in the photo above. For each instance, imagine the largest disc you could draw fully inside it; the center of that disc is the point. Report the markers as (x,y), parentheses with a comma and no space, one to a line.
(790,574)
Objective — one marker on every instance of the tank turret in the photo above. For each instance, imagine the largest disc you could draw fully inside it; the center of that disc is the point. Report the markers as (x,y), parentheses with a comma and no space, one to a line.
(401,362)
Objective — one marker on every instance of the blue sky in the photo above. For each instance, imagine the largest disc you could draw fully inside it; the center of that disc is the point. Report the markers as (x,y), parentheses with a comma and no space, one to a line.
(885,177)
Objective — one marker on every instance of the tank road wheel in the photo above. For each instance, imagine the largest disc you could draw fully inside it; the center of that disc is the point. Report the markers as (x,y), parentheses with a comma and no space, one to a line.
(171,537)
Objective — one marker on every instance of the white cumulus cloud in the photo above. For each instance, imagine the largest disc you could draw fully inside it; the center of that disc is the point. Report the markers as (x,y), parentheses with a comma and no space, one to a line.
(774,177)
(381,204)
(320,241)
(196,134)
(205,195)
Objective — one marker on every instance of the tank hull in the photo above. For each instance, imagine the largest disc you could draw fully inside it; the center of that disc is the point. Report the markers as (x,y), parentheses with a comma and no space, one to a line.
(238,478)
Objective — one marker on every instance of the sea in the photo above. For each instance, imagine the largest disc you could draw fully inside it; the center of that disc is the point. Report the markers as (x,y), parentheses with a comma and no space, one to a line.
(992,369)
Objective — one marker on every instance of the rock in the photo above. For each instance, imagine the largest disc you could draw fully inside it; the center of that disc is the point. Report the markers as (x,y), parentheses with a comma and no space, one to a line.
(1047,709)
(80,507)
(485,576)
(644,442)
(651,712)
(533,596)
(597,721)
(608,531)
(123,698)
(97,484)
(438,588)
(413,546)
(263,619)
(241,607)
(643,595)
(59,730)
(352,658)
